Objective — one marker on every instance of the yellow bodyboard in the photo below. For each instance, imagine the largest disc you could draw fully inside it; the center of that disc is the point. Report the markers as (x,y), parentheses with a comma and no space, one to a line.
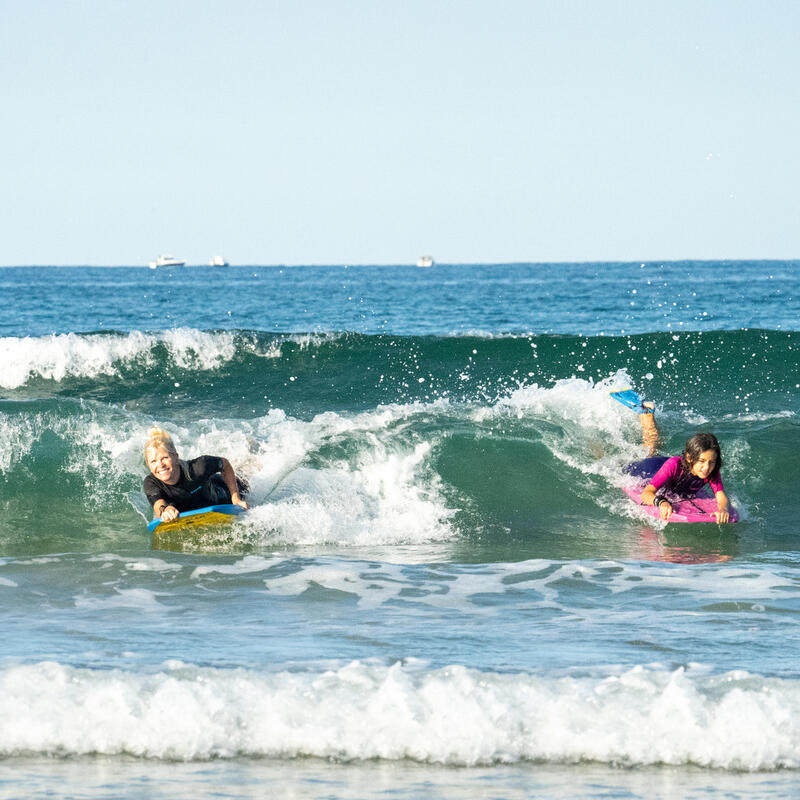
(211,515)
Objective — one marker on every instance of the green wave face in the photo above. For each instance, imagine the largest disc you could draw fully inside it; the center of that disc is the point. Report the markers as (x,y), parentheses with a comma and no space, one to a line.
(248,371)
(511,443)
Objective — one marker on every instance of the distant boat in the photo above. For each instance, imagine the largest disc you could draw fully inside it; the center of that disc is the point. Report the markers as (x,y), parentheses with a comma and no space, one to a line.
(167,261)
(218,261)
(425,261)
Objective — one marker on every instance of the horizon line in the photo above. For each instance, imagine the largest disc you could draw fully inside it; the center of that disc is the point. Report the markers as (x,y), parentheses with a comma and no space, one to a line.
(300,265)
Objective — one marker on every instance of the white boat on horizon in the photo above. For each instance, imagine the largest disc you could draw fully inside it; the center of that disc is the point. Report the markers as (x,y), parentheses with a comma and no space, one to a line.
(167,261)
(218,261)
(425,261)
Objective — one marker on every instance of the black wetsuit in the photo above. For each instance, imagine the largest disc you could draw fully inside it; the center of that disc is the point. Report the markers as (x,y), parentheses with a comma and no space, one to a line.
(200,484)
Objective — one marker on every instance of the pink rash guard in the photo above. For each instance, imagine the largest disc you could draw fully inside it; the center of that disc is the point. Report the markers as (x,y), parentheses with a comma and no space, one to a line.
(672,478)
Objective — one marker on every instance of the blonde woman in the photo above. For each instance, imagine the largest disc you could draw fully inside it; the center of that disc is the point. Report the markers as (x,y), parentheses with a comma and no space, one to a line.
(174,485)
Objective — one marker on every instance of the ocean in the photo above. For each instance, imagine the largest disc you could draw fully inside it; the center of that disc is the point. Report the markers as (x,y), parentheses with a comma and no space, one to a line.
(441,590)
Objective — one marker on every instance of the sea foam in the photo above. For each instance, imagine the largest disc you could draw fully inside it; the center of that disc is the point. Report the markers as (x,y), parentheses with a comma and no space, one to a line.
(375,483)
(363,710)
(92,355)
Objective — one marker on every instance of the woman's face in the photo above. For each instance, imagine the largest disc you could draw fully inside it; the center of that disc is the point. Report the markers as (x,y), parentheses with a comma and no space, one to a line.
(163,465)
(705,464)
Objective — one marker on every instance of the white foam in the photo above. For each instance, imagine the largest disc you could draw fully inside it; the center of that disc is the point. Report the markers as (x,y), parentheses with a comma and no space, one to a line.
(138,564)
(137,599)
(384,492)
(575,400)
(59,355)
(244,566)
(465,587)
(17,436)
(453,715)
(760,416)
(380,500)
(66,355)
(376,584)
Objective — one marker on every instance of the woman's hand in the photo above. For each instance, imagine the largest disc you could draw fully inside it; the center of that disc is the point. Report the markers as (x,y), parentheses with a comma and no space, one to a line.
(237,501)
(664,508)
(229,476)
(169,513)
(723,515)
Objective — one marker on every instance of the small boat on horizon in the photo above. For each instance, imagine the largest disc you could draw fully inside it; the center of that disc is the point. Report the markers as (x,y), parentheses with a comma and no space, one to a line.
(425,261)
(218,261)
(167,261)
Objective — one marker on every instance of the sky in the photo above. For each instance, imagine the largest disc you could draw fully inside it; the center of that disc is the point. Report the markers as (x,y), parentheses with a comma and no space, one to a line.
(374,131)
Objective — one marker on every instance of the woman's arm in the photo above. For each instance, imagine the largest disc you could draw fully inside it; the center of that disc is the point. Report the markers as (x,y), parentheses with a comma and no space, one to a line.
(229,476)
(723,513)
(650,498)
(164,510)
(155,497)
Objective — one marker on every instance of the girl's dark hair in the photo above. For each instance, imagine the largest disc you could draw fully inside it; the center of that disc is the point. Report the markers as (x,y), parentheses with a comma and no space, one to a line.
(696,445)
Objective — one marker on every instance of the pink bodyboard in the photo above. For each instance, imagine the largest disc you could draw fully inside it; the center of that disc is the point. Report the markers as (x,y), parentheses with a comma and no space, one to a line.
(699,509)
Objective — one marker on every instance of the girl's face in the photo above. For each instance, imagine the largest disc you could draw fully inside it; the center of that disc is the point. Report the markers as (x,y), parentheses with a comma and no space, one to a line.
(705,464)
(163,465)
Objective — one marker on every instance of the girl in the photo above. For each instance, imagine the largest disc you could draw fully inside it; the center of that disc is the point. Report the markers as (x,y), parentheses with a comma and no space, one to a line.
(680,476)
(175,485)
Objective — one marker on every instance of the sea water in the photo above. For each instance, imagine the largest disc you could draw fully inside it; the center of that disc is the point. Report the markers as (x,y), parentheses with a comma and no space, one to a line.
(441,589)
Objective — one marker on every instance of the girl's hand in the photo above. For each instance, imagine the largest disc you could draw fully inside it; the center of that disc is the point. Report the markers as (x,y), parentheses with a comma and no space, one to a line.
(169,513)
(665,509)
(723,512)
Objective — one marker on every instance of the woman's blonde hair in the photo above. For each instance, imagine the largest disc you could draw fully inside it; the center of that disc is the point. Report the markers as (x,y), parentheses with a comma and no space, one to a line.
(158,437)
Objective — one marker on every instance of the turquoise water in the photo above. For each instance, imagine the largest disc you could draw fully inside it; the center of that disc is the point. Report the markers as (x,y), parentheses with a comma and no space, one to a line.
(441,583)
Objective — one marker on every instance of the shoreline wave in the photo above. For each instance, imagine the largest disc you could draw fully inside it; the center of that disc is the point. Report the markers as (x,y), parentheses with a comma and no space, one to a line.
(360,711)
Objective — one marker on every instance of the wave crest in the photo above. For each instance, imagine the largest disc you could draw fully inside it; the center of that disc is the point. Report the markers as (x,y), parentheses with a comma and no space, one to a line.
(93,355)
(453,715)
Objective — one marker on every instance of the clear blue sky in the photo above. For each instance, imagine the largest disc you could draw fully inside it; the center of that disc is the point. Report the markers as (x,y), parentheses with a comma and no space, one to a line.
(372,131)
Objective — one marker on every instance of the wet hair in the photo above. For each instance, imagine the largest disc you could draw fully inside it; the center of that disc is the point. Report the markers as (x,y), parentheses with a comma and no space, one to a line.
(695,446)
(158,437)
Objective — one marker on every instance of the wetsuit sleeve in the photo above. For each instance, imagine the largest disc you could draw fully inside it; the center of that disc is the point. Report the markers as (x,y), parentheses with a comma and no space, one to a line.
(152,490)
(666,475)
(716,485)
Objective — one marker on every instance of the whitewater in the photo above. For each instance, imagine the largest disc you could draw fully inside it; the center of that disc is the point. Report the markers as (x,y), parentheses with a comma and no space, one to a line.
(441,588)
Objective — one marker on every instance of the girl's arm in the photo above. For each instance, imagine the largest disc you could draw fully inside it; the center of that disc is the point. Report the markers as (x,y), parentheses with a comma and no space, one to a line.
(722,513)
(229,476)
(650,498)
